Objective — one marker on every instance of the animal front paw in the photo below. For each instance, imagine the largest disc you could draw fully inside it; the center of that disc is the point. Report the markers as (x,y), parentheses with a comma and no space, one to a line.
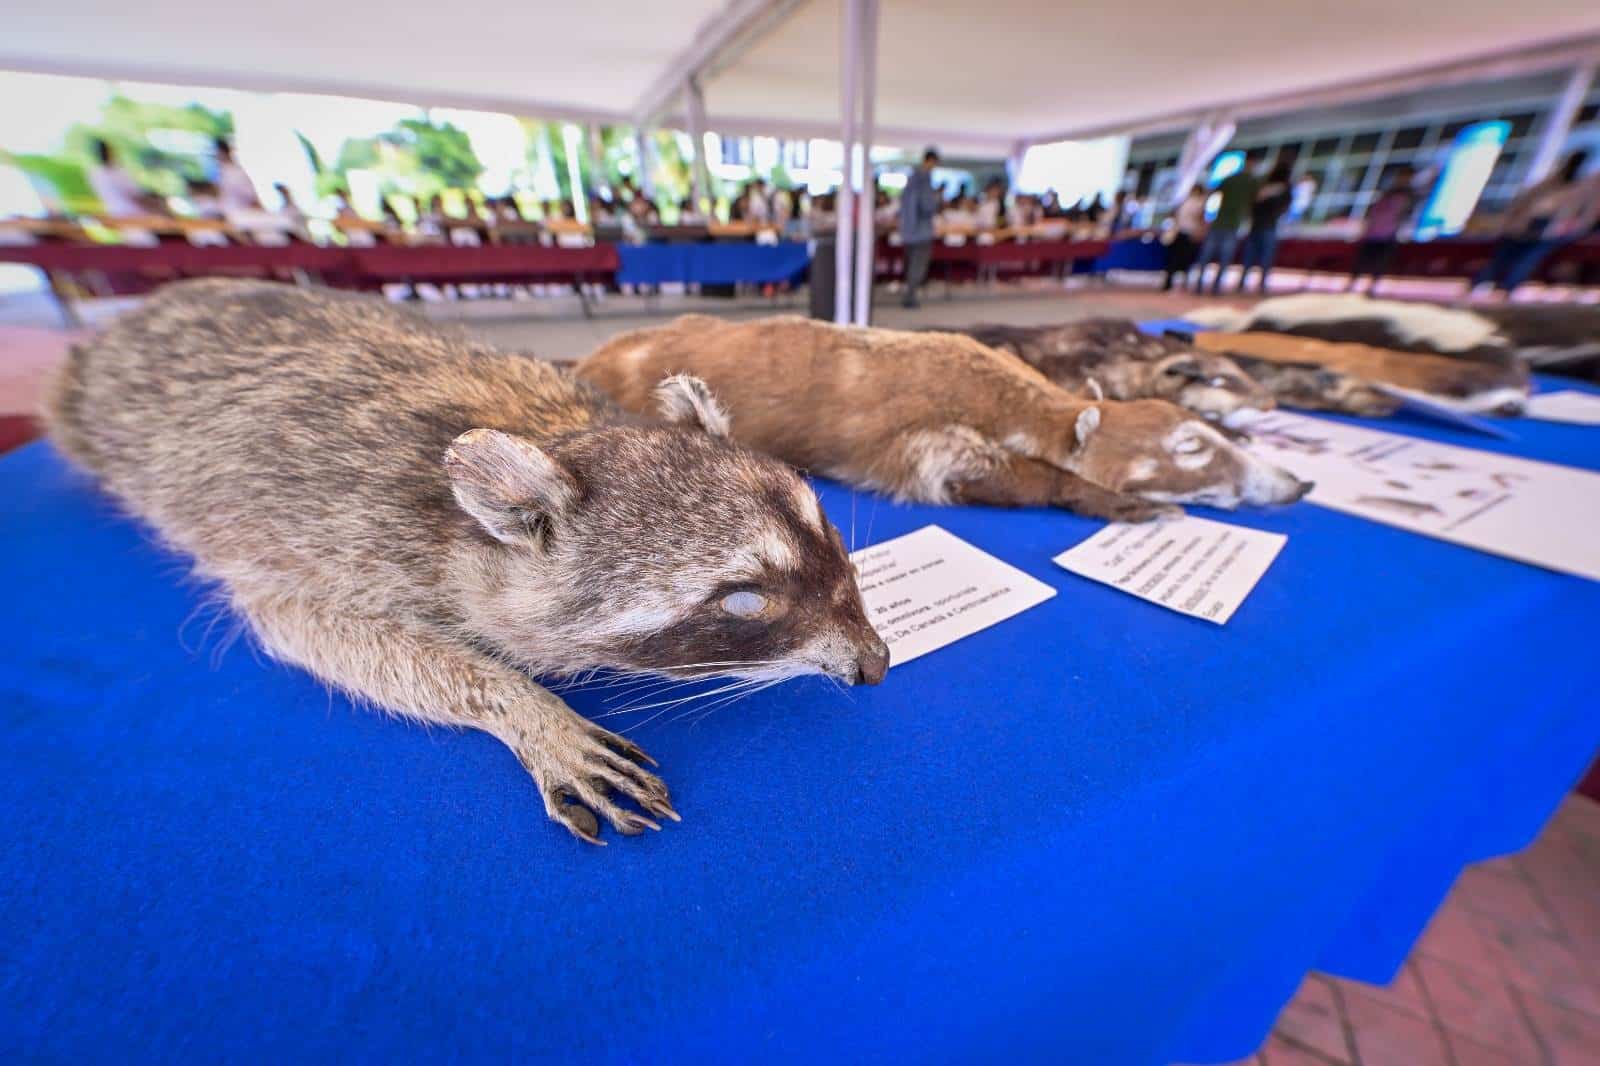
(582,770)
(1134,509)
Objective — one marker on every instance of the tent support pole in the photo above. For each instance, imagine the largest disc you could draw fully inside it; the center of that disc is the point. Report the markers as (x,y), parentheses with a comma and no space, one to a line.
(647,168)
(592,153)
(695,105)
(845,209)
(1204,142)
(1559,125)
(866,239)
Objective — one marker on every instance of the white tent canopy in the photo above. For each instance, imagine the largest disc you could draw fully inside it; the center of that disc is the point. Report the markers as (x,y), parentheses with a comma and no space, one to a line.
(989,77)
(972,76)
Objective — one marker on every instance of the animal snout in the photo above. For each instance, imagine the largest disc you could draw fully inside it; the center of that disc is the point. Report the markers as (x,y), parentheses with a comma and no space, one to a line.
(872,662)
(1266,483)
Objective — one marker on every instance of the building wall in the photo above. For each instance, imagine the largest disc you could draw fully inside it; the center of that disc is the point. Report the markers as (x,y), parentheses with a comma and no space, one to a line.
(1352,149)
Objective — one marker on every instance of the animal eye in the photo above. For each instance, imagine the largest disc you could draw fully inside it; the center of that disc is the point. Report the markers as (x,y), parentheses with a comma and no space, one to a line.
(744,604)
(1189,446)
(1218,383)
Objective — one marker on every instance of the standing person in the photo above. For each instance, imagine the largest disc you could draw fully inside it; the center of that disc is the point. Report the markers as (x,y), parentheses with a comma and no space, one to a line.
(991,209)
(1116,218)
(235,190)
(1222,240)
(919,205)
(1380,230)
(689,213)
(1271,203)
(757,206)
(1189,230)
(119,194)
(1549,215)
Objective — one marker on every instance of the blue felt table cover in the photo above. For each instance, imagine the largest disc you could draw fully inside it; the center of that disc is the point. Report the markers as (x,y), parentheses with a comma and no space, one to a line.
(712,263)
(1099,832)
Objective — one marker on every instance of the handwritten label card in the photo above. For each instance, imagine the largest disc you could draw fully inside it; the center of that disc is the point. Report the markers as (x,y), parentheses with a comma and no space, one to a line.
(931,588)
(1193,565)
(1582,408)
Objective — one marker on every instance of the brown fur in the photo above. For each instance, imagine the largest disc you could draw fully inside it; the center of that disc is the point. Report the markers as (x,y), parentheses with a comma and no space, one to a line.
(935,417)
(1124,363)
(422,521)
(1435,375)
(1312,387)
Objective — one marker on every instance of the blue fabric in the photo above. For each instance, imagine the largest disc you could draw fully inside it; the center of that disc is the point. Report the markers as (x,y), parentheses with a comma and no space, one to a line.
(1098,832)
(1219,246)
(712,263)
(1260,250)
(1132,254)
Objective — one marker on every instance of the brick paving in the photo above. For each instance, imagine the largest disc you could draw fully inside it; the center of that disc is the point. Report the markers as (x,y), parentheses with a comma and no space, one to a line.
(1507,973)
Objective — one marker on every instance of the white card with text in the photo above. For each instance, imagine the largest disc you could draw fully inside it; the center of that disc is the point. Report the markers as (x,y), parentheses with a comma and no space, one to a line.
(1537,512)
(1580,408)
(1192,565)
(931,588)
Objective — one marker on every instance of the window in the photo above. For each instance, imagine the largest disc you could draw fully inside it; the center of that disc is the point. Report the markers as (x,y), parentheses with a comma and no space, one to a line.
(1389,173)
(796,155)
(736,151)
(1364,142)
(1521,125)
(1410,137)
(1325,146)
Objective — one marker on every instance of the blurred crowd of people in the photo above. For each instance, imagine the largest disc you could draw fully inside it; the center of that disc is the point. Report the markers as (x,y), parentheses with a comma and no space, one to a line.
(1247,208)
(1205,233)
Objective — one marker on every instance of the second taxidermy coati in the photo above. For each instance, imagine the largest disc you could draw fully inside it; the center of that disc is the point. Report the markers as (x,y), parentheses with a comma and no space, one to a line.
(939,418)
(1313,387)
(1480,387)
(1350,318)
(1115,357)
(424,522)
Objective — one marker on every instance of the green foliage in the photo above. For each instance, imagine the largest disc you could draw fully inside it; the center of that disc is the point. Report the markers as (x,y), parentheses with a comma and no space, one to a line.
(442,151)
(418,159)
(163,147)
(62,183)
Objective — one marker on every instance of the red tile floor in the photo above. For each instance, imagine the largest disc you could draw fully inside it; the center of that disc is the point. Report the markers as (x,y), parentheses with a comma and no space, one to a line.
(1507,974)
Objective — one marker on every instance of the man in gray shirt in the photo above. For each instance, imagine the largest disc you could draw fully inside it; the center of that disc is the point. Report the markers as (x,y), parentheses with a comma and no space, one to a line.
(919,205)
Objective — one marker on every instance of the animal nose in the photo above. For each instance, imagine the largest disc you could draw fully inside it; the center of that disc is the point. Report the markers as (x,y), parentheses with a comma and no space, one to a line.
(873,662)
(1300,491)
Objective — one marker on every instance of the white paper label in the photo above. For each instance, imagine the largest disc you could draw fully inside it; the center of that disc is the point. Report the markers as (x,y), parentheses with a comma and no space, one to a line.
(1192,565)
(930,588)
(1582,408)
(1538,513)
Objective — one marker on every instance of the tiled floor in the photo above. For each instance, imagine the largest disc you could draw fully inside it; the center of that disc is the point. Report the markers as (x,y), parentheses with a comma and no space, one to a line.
(1507,974)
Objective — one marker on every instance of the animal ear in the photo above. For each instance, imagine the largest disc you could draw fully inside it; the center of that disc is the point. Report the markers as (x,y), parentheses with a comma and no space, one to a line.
(1088,421)
(512,487)
(684,399)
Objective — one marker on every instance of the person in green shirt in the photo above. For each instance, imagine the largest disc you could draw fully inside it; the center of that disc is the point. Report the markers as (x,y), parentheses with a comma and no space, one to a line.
(1222,240)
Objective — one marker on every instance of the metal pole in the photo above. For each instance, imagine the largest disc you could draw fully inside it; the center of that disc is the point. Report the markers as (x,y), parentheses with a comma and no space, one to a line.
(643,149)
(1204,142)
(1019,152)
(866,246)
(849,71)
(1559,124)
(695,104)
